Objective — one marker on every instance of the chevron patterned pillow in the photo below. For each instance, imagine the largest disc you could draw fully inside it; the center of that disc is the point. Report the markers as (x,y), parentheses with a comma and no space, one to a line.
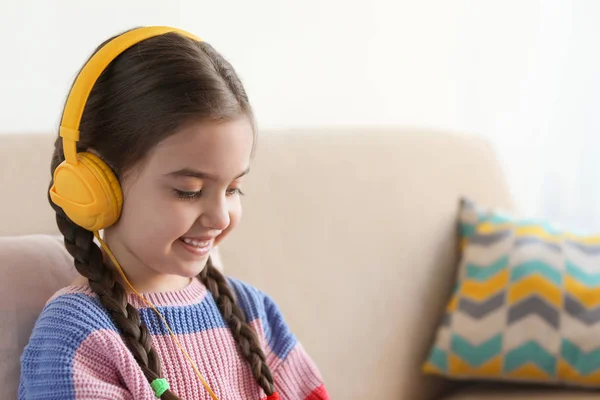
(526,304)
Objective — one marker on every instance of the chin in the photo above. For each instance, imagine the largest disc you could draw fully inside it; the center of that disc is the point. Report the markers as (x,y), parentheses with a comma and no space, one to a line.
(191,269)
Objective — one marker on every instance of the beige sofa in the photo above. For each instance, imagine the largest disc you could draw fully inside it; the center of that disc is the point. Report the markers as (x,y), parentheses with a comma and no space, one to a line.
(351,231)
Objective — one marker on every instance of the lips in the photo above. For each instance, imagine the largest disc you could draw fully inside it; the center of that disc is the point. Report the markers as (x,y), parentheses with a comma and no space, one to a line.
(199,243)
(198,246)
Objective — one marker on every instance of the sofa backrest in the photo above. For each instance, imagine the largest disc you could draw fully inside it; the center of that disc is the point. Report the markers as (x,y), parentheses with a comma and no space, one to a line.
(351,231)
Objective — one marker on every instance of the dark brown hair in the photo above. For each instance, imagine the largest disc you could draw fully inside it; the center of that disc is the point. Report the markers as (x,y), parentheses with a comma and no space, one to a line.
(141,98)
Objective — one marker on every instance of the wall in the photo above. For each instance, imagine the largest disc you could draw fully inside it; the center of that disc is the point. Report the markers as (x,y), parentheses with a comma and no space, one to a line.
(523,73)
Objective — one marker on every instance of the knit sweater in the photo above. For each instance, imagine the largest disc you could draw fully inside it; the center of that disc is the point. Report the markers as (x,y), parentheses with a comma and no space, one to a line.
(76,352)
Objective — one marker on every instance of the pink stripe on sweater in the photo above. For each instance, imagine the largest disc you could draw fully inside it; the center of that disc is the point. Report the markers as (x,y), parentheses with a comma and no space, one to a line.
(227,372)
(214,353)
(194,293)
(297,377)
(103,368)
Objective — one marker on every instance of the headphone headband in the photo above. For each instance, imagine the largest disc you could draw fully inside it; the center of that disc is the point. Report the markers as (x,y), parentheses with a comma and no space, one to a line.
(85,81)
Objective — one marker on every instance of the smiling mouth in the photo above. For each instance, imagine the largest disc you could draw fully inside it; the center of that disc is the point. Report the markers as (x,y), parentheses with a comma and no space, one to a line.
(200,244)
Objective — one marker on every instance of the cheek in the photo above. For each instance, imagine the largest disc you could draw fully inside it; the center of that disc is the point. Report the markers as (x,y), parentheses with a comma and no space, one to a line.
(153,219)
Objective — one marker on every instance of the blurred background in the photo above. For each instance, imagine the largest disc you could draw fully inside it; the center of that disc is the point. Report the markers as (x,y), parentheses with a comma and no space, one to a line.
(525,74)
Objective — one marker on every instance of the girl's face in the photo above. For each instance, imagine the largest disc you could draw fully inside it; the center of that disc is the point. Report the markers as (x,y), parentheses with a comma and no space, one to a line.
(180,202)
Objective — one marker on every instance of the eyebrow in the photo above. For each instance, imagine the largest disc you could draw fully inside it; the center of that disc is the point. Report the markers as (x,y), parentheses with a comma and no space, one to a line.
(201,175)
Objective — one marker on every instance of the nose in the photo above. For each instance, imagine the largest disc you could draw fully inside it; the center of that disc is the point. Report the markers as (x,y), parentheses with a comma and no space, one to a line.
(215,213)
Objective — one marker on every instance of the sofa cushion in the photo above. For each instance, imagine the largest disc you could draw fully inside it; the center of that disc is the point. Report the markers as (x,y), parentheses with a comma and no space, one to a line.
(526,305)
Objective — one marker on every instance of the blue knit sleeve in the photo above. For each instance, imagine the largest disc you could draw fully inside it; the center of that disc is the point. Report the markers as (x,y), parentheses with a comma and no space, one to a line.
(257,305)
(47,360)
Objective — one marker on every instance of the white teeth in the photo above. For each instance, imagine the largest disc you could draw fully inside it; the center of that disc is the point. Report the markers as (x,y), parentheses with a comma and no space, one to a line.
(196,243)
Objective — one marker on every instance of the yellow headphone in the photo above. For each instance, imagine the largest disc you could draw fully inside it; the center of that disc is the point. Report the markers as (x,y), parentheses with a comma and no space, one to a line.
(85,187)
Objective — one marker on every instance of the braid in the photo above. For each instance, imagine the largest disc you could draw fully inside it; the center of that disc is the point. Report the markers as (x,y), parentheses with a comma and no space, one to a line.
(89,263)
(243,333)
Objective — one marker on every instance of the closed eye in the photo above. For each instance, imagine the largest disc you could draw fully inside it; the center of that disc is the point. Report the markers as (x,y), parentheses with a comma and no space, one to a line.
(194,195)
(231,192)
(187,195)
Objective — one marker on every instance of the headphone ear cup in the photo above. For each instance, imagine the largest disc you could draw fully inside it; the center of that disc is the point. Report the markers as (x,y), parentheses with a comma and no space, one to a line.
(110,183)
(89,192)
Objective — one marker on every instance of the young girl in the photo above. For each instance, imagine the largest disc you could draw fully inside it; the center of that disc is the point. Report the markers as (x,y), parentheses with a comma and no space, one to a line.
(170,118)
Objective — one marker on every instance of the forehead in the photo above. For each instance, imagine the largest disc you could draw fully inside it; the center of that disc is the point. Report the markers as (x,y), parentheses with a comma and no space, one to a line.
(217,148)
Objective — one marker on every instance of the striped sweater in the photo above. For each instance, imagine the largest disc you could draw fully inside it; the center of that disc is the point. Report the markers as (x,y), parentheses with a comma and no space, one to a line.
(75,351)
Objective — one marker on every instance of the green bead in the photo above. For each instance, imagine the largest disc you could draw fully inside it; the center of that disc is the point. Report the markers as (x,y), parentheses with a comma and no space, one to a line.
(160,386)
